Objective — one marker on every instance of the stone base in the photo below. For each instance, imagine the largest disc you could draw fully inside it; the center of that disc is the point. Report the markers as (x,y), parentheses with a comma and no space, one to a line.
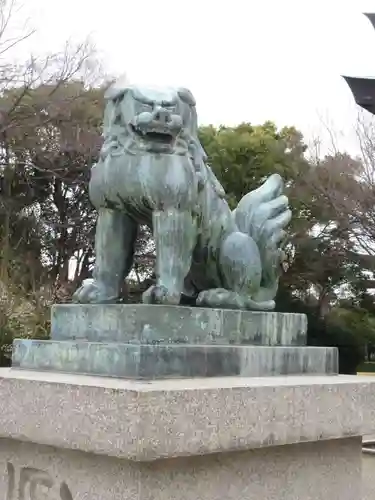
(135,361)
(145,421)
(156,324)
(139,341)
(310,471)
(65,437)
(368,470)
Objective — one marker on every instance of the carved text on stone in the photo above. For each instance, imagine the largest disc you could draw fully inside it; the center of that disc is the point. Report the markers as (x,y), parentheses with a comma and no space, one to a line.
(28,484)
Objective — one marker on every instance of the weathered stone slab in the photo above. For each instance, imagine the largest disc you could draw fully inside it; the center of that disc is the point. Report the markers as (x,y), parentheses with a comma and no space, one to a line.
(320,471)
(136,361)
(156,324)
(72,437)
(144,421)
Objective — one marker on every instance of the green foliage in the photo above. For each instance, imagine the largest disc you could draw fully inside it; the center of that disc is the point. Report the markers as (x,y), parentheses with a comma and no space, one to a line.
(329,331)
(243,156)
(366,367)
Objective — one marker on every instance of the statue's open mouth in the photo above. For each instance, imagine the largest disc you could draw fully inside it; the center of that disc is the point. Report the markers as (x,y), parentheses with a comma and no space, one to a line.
(154,135)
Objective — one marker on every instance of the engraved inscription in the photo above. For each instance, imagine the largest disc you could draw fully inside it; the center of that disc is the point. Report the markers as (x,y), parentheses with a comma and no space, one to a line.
(31,482)
(30,479)
(65,493)
(11,481)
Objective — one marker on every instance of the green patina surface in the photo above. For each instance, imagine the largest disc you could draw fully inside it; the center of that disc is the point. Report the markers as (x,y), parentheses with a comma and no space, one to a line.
(171,361)
(140,323)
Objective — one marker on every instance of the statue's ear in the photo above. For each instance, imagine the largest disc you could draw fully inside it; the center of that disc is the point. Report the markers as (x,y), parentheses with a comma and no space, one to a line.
(186,96)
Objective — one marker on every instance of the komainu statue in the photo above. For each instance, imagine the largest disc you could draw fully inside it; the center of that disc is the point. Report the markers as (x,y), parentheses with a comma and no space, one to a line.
(153,170)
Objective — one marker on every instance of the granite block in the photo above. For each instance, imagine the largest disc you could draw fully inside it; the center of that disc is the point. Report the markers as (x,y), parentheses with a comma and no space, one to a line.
(157,324)
(169,361)
(145,421)
(309,471)
(368,469)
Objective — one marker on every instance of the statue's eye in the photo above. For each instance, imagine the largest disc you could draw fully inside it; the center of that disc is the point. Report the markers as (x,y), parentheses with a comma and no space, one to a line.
(167,105)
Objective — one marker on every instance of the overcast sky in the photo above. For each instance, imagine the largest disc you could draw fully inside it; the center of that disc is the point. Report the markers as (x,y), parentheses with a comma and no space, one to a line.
(244,60)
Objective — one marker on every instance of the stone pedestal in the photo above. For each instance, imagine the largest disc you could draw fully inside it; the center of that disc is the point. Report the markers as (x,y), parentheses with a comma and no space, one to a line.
(159,342)
(65,437)
(190,404)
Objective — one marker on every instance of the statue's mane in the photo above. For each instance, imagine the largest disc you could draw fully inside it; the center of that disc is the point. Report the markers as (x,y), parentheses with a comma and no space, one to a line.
(112,114)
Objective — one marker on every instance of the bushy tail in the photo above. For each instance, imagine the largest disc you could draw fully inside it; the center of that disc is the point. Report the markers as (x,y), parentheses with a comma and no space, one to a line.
(263,214)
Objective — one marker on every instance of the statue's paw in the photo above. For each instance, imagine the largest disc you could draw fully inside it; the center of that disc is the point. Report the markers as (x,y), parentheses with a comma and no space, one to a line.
(92,292)
(226,299)
(158,294)
(221,298)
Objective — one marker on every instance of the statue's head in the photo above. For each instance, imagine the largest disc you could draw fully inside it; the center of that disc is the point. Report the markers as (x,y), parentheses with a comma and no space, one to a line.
(146,120)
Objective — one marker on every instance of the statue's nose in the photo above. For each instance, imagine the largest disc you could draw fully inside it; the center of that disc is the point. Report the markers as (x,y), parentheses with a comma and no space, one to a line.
(162,115)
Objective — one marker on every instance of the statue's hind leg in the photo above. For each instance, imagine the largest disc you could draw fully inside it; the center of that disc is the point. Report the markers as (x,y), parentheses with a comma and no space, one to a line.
(240,270)
(175,234)
(115,236)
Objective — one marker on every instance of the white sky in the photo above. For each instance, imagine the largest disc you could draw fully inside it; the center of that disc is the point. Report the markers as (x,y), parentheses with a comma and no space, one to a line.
(244,60)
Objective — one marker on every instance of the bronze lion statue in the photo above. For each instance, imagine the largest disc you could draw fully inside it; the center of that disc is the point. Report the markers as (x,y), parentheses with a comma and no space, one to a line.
(153,170)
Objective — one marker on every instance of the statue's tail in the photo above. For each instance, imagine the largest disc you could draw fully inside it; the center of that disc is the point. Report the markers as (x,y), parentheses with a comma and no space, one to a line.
(263,214)
(261,205)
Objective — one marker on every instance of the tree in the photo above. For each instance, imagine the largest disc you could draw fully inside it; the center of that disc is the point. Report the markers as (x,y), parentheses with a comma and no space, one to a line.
(347,186)
(37,99)
(243,156)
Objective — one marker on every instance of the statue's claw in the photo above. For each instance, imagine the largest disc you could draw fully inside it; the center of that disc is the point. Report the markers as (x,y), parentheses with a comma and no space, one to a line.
(92,292)
(226,299)
(158,294)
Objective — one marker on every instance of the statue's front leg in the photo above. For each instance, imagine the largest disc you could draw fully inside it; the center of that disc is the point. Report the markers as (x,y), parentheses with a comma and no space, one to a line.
(115,236)
(175,234)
